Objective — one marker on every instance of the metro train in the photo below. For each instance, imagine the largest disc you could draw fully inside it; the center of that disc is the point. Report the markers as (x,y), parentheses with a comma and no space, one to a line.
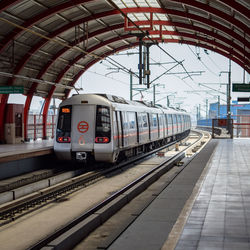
(106,128)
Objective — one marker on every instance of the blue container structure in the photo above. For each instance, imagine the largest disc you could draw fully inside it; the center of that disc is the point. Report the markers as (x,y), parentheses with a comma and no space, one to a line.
(236,110)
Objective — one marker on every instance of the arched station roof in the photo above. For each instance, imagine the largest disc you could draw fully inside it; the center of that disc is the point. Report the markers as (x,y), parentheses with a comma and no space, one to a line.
(46,45)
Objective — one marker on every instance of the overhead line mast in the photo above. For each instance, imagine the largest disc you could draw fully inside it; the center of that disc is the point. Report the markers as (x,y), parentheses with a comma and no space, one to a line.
(147,35)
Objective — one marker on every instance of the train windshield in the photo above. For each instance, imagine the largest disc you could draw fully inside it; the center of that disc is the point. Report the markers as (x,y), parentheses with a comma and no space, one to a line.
(103,127)
(64,124)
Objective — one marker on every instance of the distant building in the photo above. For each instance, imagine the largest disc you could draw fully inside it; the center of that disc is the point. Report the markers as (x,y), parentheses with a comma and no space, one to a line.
(240,113)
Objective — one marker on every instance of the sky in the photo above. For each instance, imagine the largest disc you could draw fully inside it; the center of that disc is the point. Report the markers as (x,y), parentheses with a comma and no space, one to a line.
(205,67)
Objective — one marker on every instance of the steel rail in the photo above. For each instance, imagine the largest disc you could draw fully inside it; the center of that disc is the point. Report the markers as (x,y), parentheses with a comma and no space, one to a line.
(97,207)
(22,206)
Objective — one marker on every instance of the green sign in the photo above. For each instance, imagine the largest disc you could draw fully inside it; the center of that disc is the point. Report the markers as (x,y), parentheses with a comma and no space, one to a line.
(239,87)
(11,89)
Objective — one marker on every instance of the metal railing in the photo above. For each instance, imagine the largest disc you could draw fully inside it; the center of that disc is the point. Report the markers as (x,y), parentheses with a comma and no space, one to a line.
(35,126)
(241,125)
(238,127)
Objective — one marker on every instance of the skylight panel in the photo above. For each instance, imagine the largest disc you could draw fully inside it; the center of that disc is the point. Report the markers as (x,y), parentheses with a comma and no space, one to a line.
(153,3)
(169,28)
(142,3)
(119,3)
(132,17)
(170,37)
(146,16)
(166,37)
(141,16)
(131,4)
(134,3)
(162,17)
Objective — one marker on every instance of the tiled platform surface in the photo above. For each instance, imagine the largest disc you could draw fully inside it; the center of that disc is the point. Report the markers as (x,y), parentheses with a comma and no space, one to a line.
(12,152)
(39,144)
(220,217)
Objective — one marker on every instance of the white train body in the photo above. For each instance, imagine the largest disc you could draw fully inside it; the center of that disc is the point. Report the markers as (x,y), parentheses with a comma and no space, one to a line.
(104,127)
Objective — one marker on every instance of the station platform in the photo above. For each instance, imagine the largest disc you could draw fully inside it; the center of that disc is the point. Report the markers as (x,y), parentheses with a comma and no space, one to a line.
(206,207)
(12,152)
(18,159)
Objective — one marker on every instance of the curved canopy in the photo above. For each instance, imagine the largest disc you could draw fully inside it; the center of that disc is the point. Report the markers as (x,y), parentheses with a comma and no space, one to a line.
(46,45)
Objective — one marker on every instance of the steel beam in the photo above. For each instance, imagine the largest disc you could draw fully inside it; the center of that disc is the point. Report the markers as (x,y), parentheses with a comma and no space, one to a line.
(216,12)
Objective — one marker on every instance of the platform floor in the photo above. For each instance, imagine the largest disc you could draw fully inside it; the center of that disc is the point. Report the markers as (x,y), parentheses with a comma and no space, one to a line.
(218,217)
(13,152)
(26,146)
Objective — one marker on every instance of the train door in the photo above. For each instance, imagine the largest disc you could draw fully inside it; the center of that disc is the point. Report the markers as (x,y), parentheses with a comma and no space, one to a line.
(161,125)
(83,127)
(155,127)
(132,128)
(125,128)
(179,123)
(115,130)
(175,126)
(184,122)
(120,131)
(170,125)
(166,125)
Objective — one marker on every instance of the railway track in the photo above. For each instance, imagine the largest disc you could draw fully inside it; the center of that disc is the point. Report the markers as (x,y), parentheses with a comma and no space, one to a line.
(15,209)
(25,205)
(81,226)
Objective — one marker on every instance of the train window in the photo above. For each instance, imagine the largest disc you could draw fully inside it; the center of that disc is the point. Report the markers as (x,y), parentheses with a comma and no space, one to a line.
(179,119)
(103,126)
(124,121)
(154,120)
(174,119)
(139,119)
(131,120)
(160,119)
(179,122)
(64,125)
(145,120)
(170,122)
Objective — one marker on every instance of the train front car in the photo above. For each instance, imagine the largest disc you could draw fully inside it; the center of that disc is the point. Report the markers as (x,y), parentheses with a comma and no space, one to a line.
(102,127)
(84,129)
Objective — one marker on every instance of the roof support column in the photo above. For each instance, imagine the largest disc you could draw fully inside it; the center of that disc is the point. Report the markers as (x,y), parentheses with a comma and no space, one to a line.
(140,66)
(3,102)
(27,108)
(45,111)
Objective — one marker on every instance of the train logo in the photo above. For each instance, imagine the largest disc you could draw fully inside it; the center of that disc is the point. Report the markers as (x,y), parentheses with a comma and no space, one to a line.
(81,140)
(83,127)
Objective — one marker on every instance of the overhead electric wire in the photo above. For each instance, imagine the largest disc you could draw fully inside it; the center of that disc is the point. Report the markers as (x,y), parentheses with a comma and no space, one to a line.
(177,76)
(125,69)
(125,16)
(203,63)
(213,62)
(93,72)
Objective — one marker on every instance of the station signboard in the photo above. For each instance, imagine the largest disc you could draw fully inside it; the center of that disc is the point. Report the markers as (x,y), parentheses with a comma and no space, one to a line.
(243,99)
(11,89)
(239,87)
